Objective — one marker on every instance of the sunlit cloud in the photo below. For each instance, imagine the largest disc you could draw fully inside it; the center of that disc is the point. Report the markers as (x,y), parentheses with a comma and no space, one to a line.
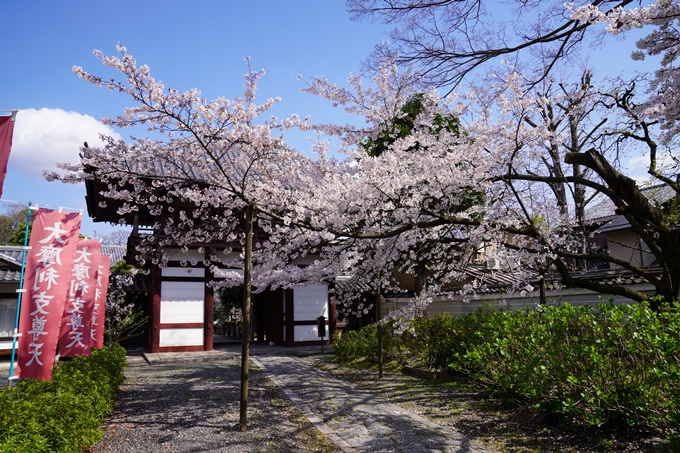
(637,166)
(43,137)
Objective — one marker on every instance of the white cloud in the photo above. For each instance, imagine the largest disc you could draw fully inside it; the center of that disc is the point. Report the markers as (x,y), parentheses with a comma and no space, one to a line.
(43,137)
(637,167)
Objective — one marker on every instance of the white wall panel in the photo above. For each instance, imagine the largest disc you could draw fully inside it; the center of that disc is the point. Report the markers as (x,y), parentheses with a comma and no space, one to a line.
(197,272)
(182,290)
(178,255)
(308,333)
(182,302)
(310,302)
(173,311)
(181,337)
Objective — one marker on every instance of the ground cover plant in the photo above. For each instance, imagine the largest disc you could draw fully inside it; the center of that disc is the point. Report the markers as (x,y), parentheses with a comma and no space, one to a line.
(606,365)
(64,414)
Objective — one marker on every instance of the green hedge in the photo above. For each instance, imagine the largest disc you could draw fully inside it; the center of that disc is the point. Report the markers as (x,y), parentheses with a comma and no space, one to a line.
(64,414)
(605,364)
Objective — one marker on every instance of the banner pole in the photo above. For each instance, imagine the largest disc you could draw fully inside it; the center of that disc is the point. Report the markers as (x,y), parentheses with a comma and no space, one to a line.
(20,292)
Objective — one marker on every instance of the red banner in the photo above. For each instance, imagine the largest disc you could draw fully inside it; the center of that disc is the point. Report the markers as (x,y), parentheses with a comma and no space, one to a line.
(6,130)
(76,321)
(48,265)
(99,311)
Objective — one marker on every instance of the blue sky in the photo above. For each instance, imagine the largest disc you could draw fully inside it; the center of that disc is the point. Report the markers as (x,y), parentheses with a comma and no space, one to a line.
(187,45)
(197,44)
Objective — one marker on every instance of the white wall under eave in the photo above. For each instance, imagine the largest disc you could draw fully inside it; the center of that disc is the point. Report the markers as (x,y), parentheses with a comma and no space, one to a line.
(308,333)
(194,272)
(182,302)
(178,255)
(310,302)
(181,337)
(456,306)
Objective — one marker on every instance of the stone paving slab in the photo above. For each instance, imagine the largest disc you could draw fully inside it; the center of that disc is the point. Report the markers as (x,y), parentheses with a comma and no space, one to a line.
(355,419)
(162,358)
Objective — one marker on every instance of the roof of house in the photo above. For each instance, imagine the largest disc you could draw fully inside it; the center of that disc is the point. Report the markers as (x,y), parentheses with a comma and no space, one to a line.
(10,275)
(606,209)
(10,255)
(195,169)
(116,252)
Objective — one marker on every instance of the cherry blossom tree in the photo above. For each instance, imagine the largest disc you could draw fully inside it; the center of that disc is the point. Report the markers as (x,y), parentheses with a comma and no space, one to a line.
(536,159)
(206,174)
(569,137)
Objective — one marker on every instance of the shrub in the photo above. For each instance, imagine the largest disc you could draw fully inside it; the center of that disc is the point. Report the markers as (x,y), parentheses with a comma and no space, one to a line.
(606,364)
(63,414)
(357,345)
(617,364)
(441,341)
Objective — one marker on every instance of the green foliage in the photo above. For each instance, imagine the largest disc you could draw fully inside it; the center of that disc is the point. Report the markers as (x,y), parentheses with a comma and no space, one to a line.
(17,236)
(231,301)
(359,345)
(122,267)
(618,364)
(11,225)
(125,317)
(120,327)
(615,364)
(402,126)
(64,414)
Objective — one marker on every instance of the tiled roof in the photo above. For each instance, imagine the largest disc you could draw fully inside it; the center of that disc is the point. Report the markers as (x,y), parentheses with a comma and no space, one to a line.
(606,210)
(10,254)
(492,277)
(10,276)
(116,252)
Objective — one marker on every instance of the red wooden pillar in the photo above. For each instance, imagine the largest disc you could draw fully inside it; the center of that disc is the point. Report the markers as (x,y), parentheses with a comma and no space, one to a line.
(208,312)
(155,311)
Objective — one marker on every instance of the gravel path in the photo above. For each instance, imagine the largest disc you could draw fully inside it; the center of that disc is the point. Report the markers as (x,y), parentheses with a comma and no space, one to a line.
(194,407)
(294,406)
(356,419)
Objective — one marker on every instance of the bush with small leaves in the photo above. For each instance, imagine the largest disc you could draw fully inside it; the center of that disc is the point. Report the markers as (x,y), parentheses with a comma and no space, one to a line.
(63,414)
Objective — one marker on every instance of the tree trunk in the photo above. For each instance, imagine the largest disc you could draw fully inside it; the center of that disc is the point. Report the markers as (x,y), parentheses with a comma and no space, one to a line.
(421,279)
(245,348)
(377,316)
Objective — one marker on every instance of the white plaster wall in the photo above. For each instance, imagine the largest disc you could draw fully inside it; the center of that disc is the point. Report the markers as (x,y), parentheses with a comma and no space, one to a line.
(456,305)
(181,337)
(178,255)
(310,302)
(197,272)
(182,302)
(308,333)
